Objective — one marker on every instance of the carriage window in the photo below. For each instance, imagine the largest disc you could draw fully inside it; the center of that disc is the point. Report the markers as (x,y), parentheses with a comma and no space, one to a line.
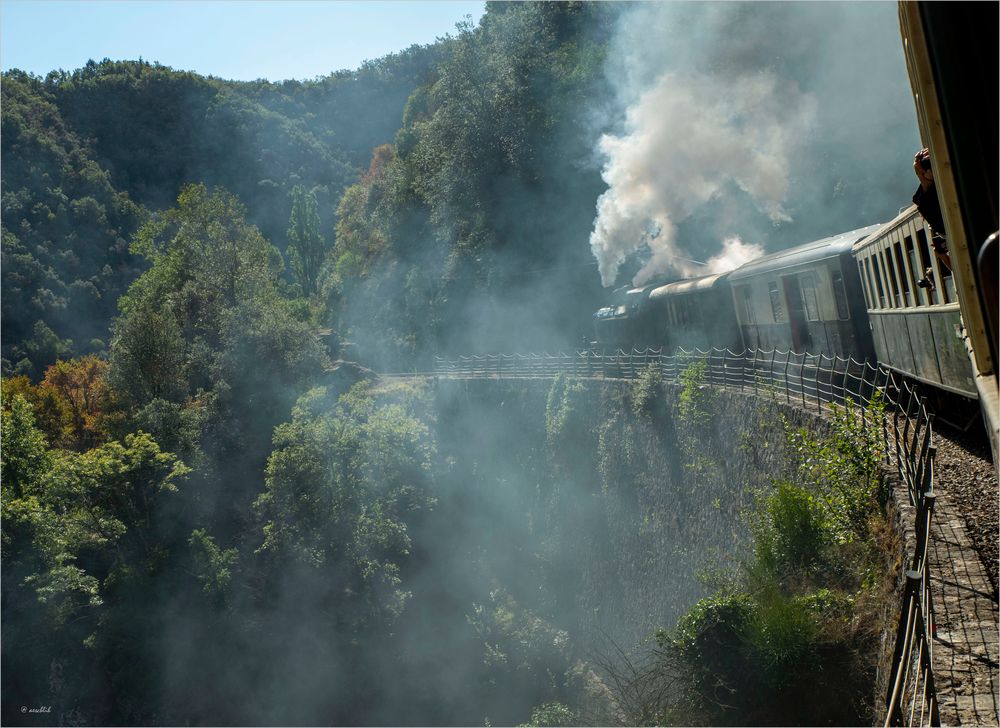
(777,310)
(807,284)
(890,271)
(916,269)
(874,273)
(840,296)
(949,284)
(925,263)
(866,274)
(904,279)
(865,284)
(747,302)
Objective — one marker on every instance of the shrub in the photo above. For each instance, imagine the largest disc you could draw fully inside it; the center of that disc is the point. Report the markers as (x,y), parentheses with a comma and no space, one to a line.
(551,714)
(646,390)
(787,640)
(791,535)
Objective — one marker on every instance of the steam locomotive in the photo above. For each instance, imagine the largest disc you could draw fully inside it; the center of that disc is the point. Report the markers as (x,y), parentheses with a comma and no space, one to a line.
(876,293)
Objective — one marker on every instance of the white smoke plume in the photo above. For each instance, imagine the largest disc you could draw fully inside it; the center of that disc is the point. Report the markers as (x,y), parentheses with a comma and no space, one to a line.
(739,117)
(685,139)
(734,254)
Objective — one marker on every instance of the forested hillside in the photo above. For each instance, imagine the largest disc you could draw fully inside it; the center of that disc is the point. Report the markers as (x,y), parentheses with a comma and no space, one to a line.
(187,484)
(467,233)
(89,155)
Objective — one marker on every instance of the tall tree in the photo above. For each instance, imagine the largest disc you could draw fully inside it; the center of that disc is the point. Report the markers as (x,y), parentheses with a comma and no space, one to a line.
(306,245)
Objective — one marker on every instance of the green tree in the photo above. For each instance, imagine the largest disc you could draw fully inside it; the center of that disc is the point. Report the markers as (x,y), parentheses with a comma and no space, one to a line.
(64,232)
(148,356)
(207,352)
(306,246)
(205,257)
(84,537)
(341,485)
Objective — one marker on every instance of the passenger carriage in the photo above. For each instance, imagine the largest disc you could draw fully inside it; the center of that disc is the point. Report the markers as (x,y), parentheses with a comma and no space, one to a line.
(695,313)
(913,306)
(806,299)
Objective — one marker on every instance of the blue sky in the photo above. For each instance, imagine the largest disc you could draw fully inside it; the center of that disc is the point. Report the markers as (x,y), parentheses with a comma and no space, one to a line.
(232,39)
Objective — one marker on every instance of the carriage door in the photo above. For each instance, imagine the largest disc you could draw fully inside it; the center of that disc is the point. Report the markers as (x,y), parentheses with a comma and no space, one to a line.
(796,314)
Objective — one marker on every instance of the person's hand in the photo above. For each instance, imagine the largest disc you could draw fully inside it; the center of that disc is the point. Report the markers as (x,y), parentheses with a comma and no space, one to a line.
(926,176)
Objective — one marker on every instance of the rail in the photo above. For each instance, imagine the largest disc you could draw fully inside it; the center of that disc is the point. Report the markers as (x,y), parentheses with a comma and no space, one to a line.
(812,382)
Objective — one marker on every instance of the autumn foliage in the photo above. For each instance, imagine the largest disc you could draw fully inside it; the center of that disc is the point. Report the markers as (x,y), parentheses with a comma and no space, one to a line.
(71,403)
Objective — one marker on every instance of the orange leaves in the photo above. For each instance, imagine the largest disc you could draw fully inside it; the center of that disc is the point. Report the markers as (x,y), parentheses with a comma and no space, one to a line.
(81,385)
(381,156)
(70,403)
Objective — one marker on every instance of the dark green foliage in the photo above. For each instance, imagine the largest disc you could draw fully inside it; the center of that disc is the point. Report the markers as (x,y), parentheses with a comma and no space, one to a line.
(522,652)
(646,391)
(306,246)
(170,128)
(64,233)
(347,521)
(482,206)
(81,149)
(210,303)
(82,535)
(795,624)
(214,565)
(792,538)
(563,410)
(207,352)
(552,714)
(148,361)
(694,405)
(771,659)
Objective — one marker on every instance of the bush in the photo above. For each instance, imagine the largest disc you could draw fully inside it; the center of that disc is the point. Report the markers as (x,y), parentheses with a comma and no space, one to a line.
(551,714)
(646,391)
(788,641)
(792,535)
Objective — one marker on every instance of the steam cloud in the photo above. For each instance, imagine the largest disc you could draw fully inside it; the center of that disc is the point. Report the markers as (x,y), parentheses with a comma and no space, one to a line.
(734,254)
(739,118)
(685,139)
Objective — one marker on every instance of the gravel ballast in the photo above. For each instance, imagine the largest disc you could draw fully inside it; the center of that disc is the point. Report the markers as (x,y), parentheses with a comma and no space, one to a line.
(964,473)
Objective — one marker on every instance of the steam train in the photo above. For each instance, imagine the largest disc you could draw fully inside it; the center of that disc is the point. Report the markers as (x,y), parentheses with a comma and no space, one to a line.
(876,293)
(868,293)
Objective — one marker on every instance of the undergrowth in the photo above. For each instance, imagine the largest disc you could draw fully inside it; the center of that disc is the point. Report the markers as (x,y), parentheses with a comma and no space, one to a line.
(791,636)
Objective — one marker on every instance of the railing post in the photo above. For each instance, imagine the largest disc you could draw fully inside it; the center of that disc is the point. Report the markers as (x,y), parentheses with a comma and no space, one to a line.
(903,648)
(770,370)
(817,375)
(885,418)
(788,396)
(802,380)
(862,399)
(925,507)
(843,385)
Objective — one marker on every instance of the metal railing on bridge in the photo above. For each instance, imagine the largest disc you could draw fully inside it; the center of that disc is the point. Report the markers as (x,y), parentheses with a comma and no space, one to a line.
(812,382)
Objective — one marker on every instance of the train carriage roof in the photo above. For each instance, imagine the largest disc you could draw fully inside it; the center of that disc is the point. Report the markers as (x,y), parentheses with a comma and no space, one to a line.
(902,217)
(689,285)
(803,254)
